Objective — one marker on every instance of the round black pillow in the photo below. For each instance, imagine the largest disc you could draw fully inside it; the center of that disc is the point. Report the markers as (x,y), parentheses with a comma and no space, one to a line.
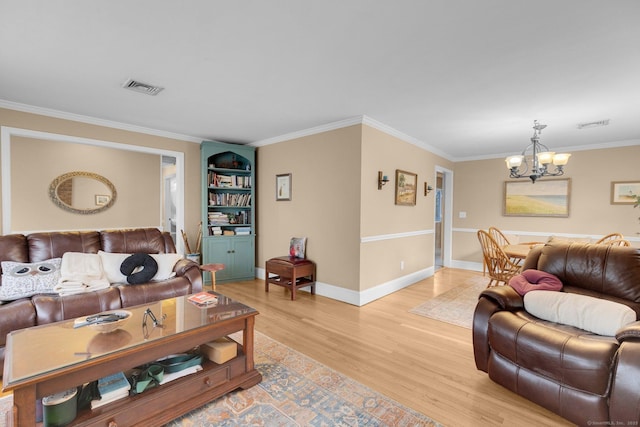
(131,263)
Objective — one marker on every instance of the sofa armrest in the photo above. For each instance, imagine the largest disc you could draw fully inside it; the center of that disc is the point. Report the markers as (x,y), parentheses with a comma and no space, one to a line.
(491,300)
(630,332)
(191,271)
(624,400)
(505,297)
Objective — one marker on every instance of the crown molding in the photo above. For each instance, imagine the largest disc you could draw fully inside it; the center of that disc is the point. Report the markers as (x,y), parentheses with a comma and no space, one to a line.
(603,145)
(94,121)
(358,120)
(404,137)
(310,131)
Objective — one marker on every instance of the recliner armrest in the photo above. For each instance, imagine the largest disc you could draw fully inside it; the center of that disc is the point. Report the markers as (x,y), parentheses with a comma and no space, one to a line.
(191,271)
(505,296)
(630,332)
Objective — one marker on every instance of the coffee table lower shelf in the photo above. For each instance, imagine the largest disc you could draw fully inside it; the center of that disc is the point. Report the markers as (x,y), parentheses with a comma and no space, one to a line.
(160,405)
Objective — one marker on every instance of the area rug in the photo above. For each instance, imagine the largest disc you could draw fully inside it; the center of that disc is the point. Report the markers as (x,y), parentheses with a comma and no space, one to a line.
(455,306)
(295,391)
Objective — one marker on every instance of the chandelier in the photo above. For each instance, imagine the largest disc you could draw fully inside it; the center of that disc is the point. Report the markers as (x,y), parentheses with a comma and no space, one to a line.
(536,164)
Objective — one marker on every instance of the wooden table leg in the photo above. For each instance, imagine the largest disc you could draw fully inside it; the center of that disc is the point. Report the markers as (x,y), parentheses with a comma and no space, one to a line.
(247,342)
(24,406)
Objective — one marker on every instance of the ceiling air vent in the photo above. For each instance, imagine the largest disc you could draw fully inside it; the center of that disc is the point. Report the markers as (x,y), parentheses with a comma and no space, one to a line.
(593,124)
(142,87)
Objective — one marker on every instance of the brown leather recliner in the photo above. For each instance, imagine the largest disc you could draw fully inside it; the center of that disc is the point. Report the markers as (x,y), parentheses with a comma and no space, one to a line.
(586,378)
(48,308)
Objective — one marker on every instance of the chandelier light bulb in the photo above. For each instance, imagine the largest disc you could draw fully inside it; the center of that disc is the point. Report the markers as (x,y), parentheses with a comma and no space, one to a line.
(561,159)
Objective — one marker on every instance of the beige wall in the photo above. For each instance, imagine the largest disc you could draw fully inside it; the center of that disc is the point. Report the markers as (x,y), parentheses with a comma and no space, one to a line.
(381,220)
(356,234)
(23,120)
(325,202)
(136,177)
(479,187)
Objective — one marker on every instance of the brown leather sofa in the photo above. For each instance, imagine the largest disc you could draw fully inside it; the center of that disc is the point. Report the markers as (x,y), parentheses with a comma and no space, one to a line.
(42,309)
(586,378)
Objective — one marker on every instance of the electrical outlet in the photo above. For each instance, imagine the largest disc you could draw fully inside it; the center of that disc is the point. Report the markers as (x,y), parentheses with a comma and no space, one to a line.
(462,214)
(401,265)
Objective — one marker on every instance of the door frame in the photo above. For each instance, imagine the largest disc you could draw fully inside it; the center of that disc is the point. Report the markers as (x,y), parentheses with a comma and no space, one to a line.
(447,213)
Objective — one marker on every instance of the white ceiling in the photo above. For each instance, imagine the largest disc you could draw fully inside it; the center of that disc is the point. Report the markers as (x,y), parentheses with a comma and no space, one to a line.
(464,77)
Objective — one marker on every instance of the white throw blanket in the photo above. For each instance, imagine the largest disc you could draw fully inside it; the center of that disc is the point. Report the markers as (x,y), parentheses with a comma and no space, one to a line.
(80,273)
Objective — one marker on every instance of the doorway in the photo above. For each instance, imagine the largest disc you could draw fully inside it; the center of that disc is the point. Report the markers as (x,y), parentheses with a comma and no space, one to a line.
(442,218)
(438,264)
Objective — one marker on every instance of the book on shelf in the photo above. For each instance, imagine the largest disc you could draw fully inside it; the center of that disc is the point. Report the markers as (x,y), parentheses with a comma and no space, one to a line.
(111,388)
(243,231)
(170,376)
(217,180)
(228,233)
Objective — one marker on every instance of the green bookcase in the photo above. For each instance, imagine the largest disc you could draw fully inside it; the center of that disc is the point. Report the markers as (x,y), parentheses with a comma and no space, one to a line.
(228,209)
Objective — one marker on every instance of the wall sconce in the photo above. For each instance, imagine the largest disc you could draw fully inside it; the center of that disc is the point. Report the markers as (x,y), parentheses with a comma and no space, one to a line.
(382,180)
(427,188)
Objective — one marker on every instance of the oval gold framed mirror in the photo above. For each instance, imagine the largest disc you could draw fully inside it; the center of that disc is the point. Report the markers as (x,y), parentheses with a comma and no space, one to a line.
(82,192)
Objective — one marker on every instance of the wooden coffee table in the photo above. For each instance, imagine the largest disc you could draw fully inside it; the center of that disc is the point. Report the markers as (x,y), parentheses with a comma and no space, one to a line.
(47,359)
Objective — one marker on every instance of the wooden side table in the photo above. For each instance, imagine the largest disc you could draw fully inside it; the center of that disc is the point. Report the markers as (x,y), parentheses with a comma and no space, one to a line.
(291,273)
(212,268)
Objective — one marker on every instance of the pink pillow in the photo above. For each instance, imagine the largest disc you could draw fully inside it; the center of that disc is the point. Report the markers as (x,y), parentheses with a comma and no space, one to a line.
(535,280)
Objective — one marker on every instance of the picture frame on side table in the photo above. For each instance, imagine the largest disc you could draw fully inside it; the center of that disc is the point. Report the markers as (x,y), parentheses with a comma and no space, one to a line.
(544,198)
(406,188)
(283,187)
(625,192)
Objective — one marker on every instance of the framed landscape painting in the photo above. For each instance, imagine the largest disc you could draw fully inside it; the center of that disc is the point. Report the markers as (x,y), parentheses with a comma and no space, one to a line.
(625,192)
(544,198)
(406,187)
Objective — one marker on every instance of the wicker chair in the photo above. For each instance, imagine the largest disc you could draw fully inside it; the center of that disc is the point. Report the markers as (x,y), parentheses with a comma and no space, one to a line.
(609,238)
(502,241)
(499,266)
(616,242)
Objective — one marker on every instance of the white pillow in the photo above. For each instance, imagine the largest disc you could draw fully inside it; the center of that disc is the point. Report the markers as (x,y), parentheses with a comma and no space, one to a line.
(595,315)
(166,262)
(22,280)
(111,263)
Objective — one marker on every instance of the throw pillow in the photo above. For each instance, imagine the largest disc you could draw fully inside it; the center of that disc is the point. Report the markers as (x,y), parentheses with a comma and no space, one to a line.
(22,280)
(535,280)
(595,315)
(111,263)
(297,247)
(166,263)
(139,268)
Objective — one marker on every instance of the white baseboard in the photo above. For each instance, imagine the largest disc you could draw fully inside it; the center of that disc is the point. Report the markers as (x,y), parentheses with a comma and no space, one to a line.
(467,265)
(361,298)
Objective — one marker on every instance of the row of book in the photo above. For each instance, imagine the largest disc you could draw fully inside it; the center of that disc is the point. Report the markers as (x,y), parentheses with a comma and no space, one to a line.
(237,231)
(218,218)
(111,388)
(222,218)
(117,386)
(229,199)
(229,181)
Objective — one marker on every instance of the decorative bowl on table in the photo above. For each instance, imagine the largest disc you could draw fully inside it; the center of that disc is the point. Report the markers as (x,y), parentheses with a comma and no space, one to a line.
(105,322)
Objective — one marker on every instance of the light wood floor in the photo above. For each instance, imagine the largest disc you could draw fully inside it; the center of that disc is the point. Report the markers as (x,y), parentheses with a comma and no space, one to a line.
(422,363)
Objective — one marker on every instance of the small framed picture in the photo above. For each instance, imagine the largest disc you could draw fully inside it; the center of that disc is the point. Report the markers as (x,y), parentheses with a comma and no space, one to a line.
(625,192)
(283,187)
(102,199)
(406,188)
